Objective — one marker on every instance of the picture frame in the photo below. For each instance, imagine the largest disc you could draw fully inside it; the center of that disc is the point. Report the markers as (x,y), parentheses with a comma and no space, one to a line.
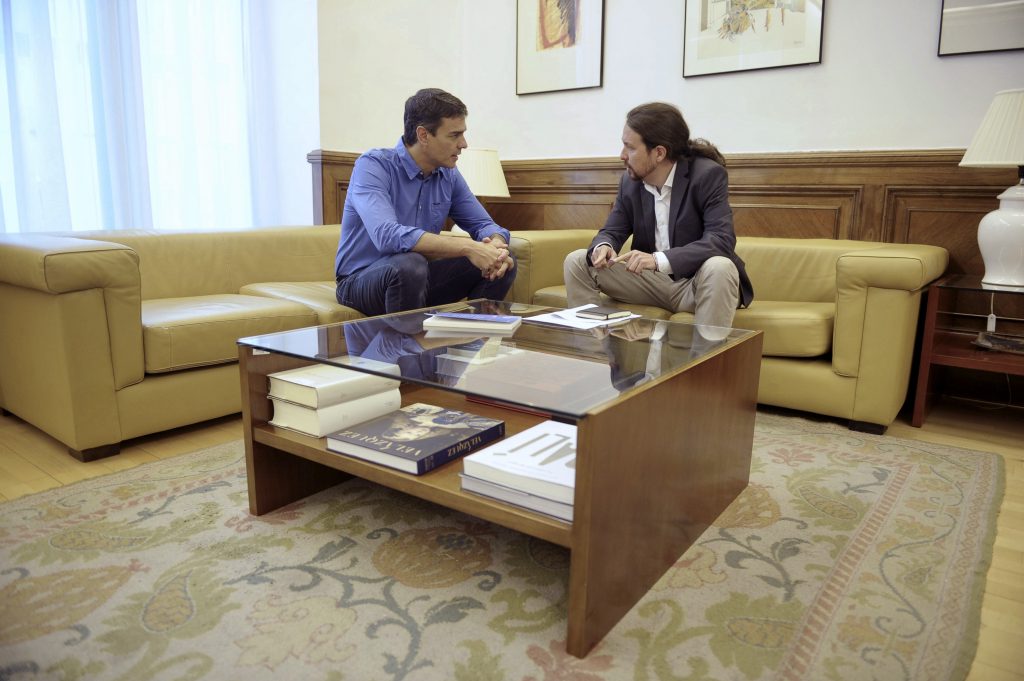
(972,26)
(724,36)
(559,45)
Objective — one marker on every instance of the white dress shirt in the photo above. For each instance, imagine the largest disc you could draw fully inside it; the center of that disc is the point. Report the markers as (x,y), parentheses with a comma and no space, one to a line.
(657,338)
(662,203)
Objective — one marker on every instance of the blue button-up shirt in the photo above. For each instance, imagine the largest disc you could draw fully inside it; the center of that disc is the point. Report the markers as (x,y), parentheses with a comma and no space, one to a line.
(390,204)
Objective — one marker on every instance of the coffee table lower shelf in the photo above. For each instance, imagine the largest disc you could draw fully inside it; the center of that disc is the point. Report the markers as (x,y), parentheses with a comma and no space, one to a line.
(441,486)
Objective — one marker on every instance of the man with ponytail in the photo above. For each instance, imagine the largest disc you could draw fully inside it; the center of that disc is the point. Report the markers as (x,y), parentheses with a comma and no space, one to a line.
(673,200)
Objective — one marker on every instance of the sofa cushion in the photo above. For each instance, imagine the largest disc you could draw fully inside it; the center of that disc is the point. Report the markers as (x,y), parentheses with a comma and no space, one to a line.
(224,261)
(179,333)
(316,295)
(782,268)
(790,329)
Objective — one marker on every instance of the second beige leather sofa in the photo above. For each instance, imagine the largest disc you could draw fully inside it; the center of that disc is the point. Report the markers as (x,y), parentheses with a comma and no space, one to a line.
(839,317)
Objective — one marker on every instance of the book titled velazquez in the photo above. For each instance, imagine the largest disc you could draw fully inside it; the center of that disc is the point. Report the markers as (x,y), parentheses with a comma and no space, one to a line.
(416,438)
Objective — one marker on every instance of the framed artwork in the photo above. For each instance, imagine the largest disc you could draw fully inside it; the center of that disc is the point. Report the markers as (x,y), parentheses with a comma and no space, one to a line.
(721,36)
(980,26)
(559,44)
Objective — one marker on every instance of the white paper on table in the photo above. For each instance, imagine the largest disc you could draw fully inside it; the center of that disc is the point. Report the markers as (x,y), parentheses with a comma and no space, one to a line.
(569,318)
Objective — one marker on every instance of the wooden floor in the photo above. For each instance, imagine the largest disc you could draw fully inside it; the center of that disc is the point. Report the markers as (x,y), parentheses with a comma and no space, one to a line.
(32,462)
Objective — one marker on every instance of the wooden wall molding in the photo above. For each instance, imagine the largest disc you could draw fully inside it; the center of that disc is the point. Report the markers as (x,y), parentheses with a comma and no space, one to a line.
(902,196)
(331,173)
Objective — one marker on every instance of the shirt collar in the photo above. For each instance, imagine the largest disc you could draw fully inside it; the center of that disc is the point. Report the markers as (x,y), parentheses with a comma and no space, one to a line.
(407,161)
(668,182)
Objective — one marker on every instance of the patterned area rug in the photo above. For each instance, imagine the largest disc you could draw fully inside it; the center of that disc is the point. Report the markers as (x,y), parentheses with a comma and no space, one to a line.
(849,556)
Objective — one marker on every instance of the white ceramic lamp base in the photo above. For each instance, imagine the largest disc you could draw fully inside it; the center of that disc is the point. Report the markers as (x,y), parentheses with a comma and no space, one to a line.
(1001,240)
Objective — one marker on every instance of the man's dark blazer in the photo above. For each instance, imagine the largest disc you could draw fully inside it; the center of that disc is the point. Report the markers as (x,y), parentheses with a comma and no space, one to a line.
(700,220)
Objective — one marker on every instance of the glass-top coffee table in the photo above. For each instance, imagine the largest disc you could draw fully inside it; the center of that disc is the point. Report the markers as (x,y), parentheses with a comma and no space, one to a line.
(664,411)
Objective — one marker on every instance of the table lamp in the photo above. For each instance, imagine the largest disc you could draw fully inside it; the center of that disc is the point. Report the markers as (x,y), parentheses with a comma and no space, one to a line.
(482,171)
(999,143)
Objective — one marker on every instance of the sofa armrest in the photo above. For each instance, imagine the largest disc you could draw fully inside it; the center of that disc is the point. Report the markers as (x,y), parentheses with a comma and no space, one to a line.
(539,257)
(878,293)
(72,334)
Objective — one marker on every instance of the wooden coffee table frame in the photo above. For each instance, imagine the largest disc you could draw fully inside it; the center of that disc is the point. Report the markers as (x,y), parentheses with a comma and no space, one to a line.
(655,467)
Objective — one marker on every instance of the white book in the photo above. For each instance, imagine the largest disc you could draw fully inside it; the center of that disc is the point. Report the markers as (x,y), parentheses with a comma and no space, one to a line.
(320,422)
(320,385)
(525,500)
(471,323)
(540,460)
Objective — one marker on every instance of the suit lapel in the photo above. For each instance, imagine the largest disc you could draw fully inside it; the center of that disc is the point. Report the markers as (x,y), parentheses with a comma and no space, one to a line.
(680,184)
(647,220)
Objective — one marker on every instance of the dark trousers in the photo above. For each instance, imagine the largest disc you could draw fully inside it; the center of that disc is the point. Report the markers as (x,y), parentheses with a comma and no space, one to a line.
(407,281)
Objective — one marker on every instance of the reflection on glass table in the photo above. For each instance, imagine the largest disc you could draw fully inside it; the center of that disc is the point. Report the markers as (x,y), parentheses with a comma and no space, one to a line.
(558,370)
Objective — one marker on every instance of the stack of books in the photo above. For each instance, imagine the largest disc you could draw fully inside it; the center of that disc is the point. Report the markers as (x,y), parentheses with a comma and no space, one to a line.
(322,398)
(416,438)
(447,324)
(534,469)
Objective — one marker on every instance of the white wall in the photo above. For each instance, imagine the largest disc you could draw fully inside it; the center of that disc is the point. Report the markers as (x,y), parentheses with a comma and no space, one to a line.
(880,84)
(373,55)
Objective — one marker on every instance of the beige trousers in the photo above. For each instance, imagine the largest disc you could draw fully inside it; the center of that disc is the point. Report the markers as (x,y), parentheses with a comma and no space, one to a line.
(712,294)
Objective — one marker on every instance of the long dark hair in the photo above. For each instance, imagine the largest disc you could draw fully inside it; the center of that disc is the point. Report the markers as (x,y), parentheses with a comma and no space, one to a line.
(660,123)
(427,107)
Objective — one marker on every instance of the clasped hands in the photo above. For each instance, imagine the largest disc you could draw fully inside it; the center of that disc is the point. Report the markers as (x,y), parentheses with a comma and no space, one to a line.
(492,257)
(636,261)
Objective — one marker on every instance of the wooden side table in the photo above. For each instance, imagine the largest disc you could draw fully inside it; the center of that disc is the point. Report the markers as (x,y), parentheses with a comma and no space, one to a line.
(958,309)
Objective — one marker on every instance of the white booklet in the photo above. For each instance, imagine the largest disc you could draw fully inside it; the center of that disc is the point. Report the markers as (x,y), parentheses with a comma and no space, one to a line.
(540,460)
(556,509)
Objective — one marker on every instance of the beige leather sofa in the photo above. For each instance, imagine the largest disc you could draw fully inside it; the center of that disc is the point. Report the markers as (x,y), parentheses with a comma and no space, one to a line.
(107,336)
(839,317)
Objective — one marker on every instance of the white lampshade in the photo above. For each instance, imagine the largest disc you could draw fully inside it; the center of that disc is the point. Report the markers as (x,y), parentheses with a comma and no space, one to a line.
(483,172)
(999,143)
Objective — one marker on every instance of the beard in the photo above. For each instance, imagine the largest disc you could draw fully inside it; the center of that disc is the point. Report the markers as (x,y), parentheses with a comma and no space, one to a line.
(633,174)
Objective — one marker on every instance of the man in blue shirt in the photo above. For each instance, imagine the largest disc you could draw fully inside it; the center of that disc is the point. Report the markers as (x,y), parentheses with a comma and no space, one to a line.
(391,255)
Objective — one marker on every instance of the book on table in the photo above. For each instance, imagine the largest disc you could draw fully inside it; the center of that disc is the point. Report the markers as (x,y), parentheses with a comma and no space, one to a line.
(602,312)
(416,438)
(320,385)
(320,422)
(532,502)
(539,461)
(471,322)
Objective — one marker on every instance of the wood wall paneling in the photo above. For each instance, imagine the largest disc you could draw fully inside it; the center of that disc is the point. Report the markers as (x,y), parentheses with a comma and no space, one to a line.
(331,173)
(892,196)
(945,216)
(819,212)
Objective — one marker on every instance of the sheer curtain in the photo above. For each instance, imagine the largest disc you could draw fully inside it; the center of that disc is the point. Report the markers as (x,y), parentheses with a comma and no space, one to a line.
(133,114)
